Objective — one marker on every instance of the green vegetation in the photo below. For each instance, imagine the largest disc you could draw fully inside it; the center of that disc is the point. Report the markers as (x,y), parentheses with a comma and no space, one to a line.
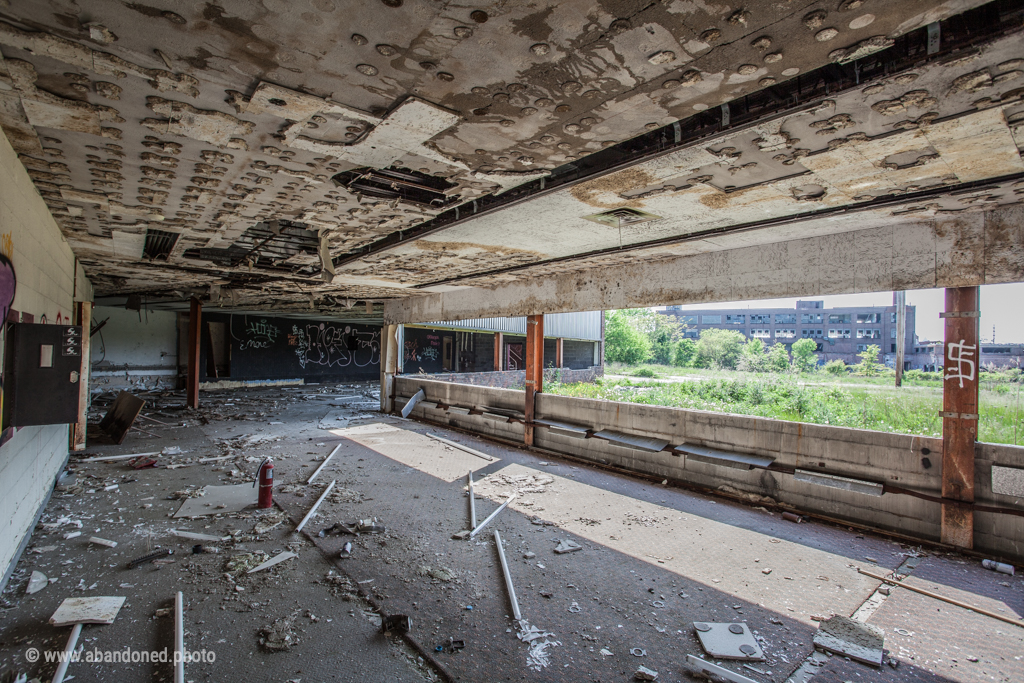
(868,402)
(723,372)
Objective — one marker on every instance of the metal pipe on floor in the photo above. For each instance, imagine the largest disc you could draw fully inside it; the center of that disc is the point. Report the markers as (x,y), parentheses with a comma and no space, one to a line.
(494,514)
(323,464)
(508,578)
(312,510)
(472,503)
(62,668)
(179,640)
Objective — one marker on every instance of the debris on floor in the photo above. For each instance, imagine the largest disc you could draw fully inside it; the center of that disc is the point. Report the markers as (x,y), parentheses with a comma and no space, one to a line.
(396,622)
(859,641)
(540,642)
(276,560)
(728,641)
(36,583)
(1000,567)
(567,546)
(98,610)
(241,564)
(645,674)
(280,635)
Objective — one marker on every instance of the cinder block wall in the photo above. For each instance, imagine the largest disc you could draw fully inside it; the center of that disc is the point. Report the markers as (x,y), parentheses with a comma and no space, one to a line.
(910,462)
(47,275)
(134,350)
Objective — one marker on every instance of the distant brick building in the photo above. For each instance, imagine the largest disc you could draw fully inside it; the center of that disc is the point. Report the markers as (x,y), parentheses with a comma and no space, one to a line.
(840,333)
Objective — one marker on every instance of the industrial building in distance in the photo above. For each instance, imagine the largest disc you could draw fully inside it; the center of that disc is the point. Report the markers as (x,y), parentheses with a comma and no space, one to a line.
(840,333)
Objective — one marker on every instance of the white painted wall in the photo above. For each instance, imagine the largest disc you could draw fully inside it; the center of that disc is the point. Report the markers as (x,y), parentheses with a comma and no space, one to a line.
(47,273)
(128,352)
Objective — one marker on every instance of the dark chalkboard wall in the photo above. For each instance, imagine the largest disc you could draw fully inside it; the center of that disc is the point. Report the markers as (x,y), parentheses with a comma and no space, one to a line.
(262,347)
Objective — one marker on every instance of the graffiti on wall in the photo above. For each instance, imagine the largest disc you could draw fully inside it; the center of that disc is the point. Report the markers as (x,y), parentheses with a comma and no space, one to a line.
(8,286)
(259,335)
(335,346)
(432,351)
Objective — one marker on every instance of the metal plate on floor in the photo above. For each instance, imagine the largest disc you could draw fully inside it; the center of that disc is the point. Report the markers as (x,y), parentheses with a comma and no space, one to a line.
(728,641)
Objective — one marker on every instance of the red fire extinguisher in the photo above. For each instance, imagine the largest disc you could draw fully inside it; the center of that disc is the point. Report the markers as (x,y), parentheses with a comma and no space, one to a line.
(265,477)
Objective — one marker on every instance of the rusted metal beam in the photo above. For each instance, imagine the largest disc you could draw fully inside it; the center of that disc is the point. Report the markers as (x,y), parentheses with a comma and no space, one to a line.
(499,344)
(195,314)
(534,369)
(959,415)
(558,352)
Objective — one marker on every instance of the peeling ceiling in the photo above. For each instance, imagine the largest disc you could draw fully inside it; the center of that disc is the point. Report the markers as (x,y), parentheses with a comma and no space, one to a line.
(225,150)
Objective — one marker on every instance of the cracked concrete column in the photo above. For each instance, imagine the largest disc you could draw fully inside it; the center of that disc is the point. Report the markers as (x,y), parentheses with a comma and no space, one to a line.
(959,415)
(388,366)
(194,335)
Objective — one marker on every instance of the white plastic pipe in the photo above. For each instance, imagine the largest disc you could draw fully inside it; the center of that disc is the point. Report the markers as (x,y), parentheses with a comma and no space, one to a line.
(508,578)
(62,668)
(494,514)
(179,640)
(312,510)
(323,464)
(472,503)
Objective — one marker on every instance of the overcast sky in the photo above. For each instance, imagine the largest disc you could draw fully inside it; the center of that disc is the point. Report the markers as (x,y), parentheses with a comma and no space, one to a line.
(1001,305)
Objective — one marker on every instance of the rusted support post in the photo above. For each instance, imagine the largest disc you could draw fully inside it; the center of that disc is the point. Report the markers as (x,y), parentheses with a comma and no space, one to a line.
(83,315)
(499,351)
(195,315)
(558,352)
(534,369)
(901,334)
(959,415)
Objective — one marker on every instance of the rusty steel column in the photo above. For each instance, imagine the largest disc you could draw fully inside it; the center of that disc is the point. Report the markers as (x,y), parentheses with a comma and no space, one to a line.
(558,352)
(534,369)
(499,351)
(195,315)
(901,334)
(959,415)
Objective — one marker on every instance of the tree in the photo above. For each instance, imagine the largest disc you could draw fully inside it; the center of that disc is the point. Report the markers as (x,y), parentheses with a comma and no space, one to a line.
(664,331)
(719,348)
(804,357)
(778,358)
(869,361)
(624,342)
(835,367)
(686,349)
(752,358)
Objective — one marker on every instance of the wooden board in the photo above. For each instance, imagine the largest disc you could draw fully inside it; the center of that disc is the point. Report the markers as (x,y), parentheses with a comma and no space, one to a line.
(121,416)
(98,610)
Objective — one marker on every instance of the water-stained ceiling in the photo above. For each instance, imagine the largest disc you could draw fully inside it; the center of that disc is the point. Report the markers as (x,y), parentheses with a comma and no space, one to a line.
(292,154)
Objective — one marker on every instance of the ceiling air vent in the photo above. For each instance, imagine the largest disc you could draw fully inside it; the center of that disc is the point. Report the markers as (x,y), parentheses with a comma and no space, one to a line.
(398,184)
(618,218)
(159,243)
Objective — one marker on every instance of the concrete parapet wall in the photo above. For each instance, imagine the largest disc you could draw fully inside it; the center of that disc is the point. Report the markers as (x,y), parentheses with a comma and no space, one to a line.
(900,460)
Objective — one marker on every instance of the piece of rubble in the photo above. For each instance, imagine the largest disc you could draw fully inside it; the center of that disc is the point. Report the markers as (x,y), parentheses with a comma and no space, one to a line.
(859,641)
(567,546)
(728,641)
(461,536)
(529,555)
(275,560)
(36,582)
(645,674)
(280,635)
(240,564)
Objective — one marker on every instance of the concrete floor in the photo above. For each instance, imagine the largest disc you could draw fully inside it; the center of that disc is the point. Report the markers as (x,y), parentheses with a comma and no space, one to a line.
(654,560)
